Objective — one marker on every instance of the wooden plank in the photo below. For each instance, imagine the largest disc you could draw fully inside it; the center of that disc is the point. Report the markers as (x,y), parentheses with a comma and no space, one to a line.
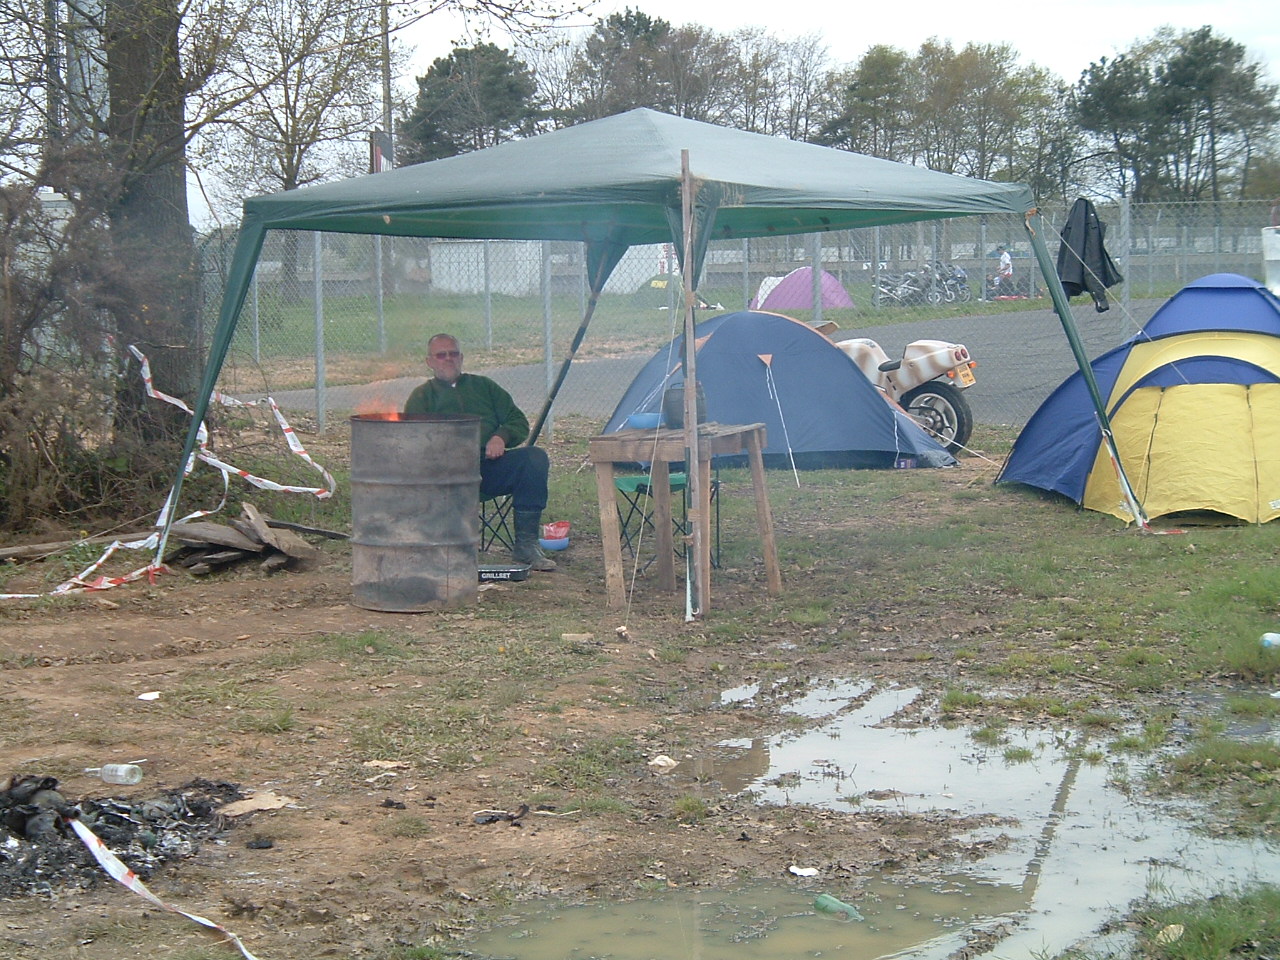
(660,481)
(202,532)
(764,512)
(610,536)
(274,562)
(292,545)
(245,528)
(703,521)
(641,446)
(221,557)
(258,523)
(301,528)
(286,541)
(31,551)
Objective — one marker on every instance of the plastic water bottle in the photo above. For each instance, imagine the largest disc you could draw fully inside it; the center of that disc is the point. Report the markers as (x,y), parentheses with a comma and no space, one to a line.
(1271,641)
(117,772)
(826,903)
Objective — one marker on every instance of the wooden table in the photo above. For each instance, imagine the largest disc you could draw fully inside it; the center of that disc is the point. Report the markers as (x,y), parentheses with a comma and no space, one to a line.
(661,448)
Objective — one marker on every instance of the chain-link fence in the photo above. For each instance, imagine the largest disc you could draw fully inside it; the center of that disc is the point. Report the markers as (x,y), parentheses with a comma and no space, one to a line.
(338,323)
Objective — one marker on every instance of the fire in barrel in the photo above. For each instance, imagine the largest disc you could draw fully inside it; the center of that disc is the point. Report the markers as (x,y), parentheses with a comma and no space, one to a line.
(415,488)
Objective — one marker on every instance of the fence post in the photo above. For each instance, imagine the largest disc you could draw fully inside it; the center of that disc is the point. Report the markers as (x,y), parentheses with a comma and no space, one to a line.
(670,252)
(377,274)
(317,290)
(257,327)
(1126,257)
(815,275)
(875,266)
(488,296)
(547,345)
(982,256)
(746,274)
(1151,253)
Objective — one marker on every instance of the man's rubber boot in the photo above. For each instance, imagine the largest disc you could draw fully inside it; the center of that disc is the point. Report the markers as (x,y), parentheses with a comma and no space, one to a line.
(526,549)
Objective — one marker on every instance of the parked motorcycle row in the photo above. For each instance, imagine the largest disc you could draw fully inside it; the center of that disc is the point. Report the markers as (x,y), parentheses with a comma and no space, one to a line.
(933,283)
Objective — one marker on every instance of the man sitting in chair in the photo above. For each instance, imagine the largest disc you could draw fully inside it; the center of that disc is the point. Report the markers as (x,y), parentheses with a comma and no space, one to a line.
(505,466)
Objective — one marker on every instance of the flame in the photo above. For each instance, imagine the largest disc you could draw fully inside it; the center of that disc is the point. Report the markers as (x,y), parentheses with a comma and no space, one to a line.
(379,404)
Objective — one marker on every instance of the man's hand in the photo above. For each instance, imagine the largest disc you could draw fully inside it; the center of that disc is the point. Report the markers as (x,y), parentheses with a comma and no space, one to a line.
(495,448)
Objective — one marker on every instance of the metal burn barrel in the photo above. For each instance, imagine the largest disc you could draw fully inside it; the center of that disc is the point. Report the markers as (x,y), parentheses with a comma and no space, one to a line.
(415,490)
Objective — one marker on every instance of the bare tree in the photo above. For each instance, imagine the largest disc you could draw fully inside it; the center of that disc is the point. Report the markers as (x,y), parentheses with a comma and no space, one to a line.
(550,58)
(694,64)
(758,80)
(100,99)
(807,87)
(311,79)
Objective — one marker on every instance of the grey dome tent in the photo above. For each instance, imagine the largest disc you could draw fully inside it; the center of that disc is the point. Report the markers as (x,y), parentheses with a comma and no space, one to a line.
(817,407)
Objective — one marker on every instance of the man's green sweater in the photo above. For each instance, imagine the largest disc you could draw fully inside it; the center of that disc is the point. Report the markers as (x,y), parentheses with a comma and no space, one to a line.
(478,396)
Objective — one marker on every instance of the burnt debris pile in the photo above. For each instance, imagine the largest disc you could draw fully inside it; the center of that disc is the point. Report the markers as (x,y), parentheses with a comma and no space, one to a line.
(39,854)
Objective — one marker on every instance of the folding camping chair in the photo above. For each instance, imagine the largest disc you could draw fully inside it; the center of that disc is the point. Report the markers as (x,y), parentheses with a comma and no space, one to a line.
(495,522)
(637,516)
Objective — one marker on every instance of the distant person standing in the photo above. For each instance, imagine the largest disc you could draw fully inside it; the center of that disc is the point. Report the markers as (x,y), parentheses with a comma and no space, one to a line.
(1005,271)
(1002,282)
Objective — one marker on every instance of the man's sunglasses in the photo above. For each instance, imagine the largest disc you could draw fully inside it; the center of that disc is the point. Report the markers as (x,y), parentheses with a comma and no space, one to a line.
(447,354)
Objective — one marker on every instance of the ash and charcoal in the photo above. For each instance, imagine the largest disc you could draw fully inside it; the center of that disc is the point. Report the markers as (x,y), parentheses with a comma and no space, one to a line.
(40,855)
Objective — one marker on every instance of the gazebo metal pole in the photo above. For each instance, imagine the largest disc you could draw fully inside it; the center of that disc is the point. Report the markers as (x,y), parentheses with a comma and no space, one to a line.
(698,572)
(1035,231)
(596,285)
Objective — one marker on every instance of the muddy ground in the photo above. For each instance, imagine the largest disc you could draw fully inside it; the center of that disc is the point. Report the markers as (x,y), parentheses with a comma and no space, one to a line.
(372,852)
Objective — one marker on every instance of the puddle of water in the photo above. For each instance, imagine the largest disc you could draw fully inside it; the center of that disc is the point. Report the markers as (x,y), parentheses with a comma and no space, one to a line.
(759,922)
(1082,849)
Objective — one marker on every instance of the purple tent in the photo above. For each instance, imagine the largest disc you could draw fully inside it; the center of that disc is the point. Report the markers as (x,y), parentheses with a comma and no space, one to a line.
(795,292)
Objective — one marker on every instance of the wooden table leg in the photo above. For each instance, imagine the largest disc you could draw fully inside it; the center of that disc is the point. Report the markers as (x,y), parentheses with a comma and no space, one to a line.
(764,512)
(610,537)
(660,484)
(704,519)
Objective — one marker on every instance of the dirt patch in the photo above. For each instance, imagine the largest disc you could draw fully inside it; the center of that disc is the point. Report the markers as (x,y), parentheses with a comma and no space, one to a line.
(371,853)
(436,766)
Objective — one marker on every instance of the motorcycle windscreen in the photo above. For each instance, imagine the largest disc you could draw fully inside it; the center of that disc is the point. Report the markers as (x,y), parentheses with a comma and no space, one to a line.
(1194,447)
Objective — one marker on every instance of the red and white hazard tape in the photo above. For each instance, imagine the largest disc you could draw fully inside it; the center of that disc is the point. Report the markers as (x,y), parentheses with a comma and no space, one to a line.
(80,582)
(202,436)
(126,877)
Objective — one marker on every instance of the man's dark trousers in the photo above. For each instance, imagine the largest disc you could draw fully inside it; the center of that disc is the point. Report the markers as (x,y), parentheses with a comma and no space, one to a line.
(522,473)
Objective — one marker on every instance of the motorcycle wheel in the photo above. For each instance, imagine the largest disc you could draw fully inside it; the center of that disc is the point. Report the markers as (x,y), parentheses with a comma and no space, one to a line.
(942,411)
(963,293)
(933,296)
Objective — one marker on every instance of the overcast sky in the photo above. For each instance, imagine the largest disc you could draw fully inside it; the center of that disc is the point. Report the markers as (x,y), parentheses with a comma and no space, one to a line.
(1063,37)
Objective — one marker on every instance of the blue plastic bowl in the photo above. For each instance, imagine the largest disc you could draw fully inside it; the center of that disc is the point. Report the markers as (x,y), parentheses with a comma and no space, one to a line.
(644,421)
(554,544)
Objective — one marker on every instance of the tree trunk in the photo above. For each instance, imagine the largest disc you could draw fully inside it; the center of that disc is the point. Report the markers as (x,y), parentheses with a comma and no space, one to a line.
(150,226)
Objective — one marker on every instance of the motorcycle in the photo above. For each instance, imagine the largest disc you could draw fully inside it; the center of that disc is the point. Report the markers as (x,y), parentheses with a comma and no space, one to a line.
(953,280)
(927,383)
(934,283)
(904,289)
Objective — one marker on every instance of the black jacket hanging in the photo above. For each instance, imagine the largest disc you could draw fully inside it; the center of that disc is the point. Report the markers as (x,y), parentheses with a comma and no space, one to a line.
(1083,261)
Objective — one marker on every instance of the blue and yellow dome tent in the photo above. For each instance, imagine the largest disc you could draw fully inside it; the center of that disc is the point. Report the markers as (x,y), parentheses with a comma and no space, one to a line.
(1194,405)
